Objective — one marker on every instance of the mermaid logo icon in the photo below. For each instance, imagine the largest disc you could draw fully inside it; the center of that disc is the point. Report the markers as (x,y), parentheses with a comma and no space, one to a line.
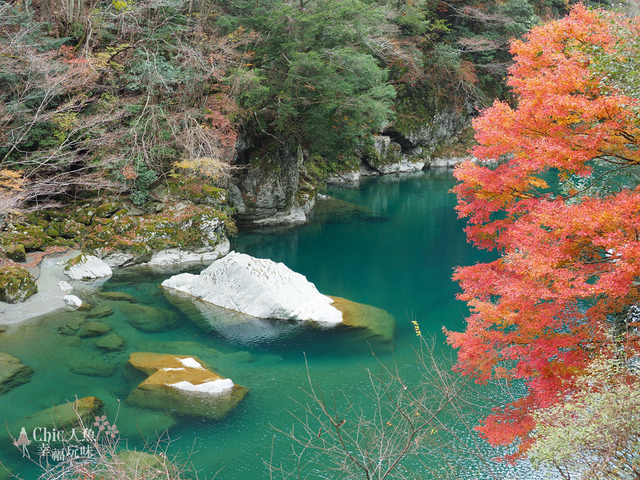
(23,441)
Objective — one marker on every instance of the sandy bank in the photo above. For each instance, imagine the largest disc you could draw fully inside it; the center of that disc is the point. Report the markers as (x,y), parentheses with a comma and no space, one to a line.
(49,297)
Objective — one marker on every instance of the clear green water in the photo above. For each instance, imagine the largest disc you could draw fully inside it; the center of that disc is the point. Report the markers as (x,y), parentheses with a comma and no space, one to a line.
(399,256)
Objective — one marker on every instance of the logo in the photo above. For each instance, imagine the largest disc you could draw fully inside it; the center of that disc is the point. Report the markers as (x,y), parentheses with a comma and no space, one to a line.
(52,444)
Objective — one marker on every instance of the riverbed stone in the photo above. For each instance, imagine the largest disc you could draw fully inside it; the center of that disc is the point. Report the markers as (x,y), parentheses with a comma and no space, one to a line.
(111,343)
(150,319)
(12,372)
(184,385)
(93,329)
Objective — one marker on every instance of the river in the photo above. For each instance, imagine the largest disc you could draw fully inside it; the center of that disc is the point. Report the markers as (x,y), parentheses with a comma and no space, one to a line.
(396,253)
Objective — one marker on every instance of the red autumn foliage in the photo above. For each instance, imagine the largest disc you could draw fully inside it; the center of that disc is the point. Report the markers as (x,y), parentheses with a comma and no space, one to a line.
(542,311)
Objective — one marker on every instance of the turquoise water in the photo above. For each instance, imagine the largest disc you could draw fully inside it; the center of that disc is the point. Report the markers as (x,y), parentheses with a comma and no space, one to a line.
(397,254)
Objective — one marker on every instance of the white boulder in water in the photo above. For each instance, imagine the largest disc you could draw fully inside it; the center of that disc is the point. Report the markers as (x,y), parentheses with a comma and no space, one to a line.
(258,287)
(87,267)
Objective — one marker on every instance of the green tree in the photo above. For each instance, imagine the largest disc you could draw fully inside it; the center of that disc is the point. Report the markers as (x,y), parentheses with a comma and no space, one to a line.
(317,75)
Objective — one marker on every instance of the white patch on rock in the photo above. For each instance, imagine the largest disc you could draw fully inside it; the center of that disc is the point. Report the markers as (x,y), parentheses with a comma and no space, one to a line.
(64,286)
(258,287)
(213,387)
(190,362)
(88,268)
(343,178)
(175,256)
(72,301)
(404,166)
(169,369)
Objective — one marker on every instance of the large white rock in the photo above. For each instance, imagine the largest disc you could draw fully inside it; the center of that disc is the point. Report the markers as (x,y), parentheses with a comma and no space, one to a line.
(258,287)
(88,268)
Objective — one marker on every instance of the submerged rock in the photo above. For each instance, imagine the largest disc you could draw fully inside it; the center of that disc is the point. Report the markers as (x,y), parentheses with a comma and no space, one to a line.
(100,311)
(379,323)
(87,267)
(118,297)
(258,287)
(12,372)
(184,385)
(150,319)
(134,464)
(111,343)
(93,329)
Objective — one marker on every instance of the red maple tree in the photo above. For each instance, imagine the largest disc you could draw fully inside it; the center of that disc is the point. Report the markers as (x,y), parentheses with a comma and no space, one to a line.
(569,262)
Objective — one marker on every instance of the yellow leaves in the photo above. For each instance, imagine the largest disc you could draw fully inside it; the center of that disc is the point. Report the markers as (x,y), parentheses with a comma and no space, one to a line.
(121,5)
(416,327)
(11,180)
(204,166)
(535,182)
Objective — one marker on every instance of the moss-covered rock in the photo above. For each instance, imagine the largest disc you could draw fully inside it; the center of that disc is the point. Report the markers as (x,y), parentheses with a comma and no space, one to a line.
(16,284)
(70,228)
(16,253)
(197,190)
(31,236)
(107,209)
(84,216)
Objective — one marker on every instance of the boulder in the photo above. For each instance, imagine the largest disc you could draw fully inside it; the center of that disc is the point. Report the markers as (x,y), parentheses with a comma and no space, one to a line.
(258,287)
(12,372)
(87,267)
(111,343)
(16,284)
(184,385)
